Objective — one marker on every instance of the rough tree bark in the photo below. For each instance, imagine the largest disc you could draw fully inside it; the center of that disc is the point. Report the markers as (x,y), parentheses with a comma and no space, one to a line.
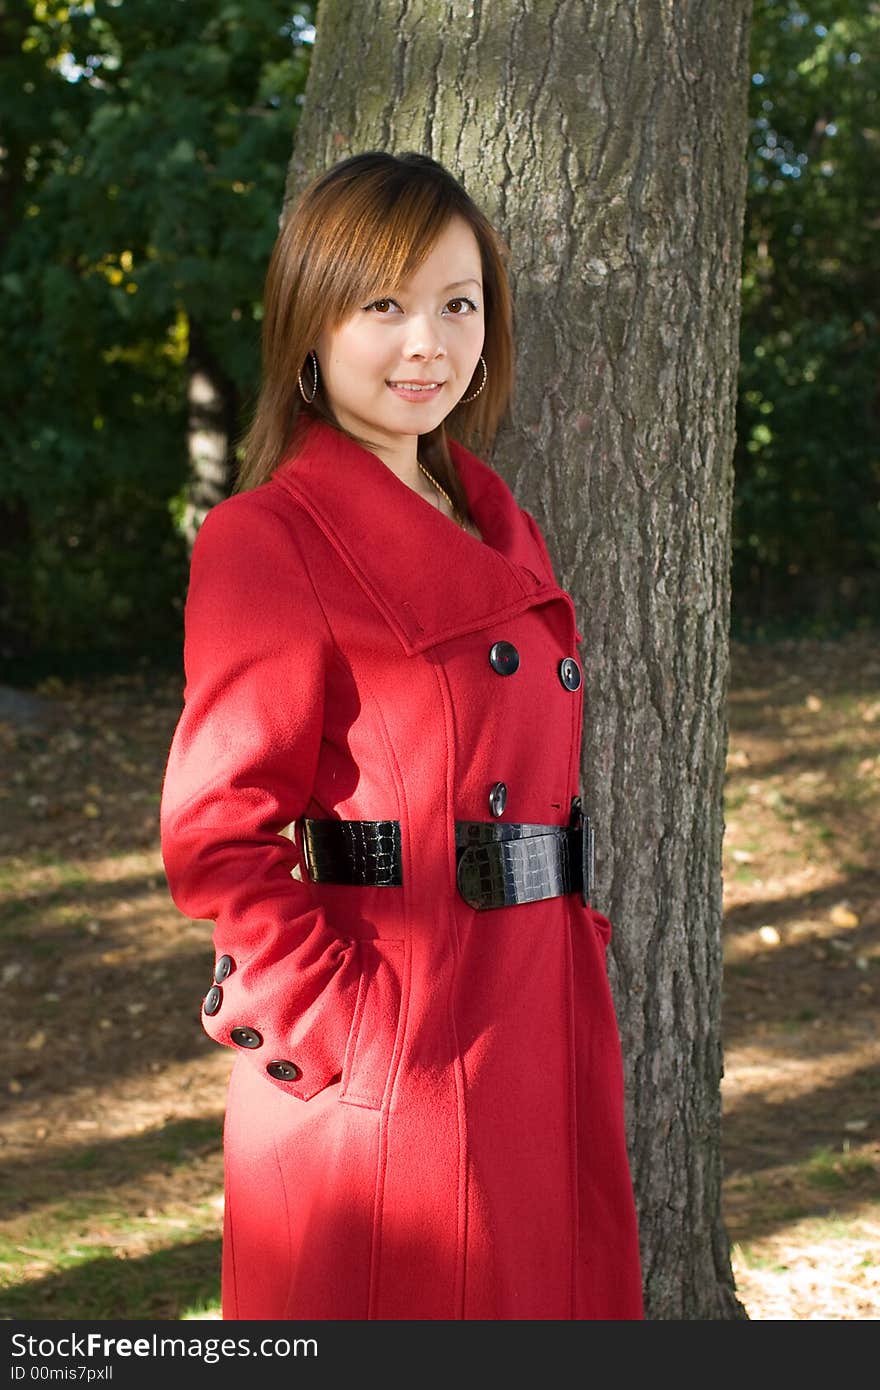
(606,139)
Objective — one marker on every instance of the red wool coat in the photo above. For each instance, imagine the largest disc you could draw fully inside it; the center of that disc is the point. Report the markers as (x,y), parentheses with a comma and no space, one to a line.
(451,1143)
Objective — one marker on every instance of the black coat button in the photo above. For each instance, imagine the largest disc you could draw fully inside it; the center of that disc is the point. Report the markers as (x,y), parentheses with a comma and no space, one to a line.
(284,1071)
(569,673)
(498,799)
(504,658)
(246,1037)
(225,966)
(213,1000)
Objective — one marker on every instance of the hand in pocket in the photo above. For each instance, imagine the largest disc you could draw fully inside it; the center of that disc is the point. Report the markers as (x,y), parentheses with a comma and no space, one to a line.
(374,1026)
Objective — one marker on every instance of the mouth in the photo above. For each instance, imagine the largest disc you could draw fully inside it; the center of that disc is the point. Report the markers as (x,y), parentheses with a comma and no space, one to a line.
(415,390)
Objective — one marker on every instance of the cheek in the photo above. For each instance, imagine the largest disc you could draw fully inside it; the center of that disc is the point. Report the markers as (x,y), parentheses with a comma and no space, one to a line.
(360,353)
(476,338)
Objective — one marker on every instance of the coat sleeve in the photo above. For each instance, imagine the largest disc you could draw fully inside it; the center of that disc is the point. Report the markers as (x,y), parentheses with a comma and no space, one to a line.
(240,769)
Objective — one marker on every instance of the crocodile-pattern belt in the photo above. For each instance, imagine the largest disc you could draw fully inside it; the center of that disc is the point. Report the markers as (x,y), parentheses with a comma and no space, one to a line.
(363,852)
(499,864)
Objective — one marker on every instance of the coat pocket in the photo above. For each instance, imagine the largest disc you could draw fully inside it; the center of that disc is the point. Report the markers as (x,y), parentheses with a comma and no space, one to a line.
(374,1026)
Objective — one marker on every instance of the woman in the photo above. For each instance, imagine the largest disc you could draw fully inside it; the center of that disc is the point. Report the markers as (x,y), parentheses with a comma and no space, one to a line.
(372,793)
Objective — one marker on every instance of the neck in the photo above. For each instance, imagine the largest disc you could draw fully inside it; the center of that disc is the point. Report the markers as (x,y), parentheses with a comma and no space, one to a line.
(400,455)
(404,464)
(402,458)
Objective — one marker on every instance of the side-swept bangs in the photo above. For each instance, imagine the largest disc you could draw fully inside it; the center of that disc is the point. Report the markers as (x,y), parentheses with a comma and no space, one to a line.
(358,230)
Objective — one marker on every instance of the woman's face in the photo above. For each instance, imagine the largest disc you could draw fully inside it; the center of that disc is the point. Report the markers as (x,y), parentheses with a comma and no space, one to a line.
(427,331)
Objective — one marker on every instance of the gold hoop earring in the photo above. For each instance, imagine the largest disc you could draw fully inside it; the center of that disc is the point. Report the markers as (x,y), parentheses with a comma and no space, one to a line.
(308,399)
(464,400)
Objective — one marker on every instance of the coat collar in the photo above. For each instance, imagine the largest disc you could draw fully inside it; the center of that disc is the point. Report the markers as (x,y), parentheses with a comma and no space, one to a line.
(431,580)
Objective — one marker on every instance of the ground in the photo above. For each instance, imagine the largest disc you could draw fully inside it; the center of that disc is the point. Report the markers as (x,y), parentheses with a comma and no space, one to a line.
(110,1165)
(801,1092)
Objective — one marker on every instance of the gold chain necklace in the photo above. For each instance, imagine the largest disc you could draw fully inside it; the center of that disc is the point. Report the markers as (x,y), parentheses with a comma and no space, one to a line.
(442,491)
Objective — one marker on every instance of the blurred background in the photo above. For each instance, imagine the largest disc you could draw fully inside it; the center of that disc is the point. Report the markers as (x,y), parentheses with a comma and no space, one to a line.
(142,164)
(145,149)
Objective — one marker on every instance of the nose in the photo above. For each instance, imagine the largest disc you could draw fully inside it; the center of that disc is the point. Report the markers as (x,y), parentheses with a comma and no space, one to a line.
(423,338)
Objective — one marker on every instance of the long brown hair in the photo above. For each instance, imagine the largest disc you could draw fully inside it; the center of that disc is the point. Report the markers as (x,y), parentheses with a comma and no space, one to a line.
(368,222)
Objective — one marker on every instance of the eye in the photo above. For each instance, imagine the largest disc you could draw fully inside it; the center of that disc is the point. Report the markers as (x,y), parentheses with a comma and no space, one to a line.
(381,305)
(460,312)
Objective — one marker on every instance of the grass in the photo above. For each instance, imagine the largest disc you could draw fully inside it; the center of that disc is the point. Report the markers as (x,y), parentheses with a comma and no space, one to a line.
(90,1260)
(836,1170)
(749,1259)
(111,1176)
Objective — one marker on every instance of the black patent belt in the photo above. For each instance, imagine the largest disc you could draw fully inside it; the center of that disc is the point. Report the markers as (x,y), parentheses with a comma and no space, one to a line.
(499,864)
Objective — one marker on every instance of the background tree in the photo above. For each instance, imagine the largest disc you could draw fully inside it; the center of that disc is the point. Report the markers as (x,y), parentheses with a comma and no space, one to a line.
(142,165)
(608,142)
(807,519)
(141,178)
(143,151)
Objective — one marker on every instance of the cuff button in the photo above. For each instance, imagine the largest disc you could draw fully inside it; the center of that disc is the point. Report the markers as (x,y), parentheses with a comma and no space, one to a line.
(284,1071)
(224,967)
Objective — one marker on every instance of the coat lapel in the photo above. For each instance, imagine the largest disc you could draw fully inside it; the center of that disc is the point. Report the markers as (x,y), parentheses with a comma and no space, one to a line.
(431,580)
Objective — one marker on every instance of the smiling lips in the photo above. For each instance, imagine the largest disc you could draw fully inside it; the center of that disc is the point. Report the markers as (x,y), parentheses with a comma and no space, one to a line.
(415,390)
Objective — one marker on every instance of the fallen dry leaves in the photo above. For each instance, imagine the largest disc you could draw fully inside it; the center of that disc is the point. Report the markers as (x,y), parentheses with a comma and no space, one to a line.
(105,976)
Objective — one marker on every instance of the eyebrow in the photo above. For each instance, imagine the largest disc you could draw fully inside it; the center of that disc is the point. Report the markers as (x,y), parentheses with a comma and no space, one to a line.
(471,280)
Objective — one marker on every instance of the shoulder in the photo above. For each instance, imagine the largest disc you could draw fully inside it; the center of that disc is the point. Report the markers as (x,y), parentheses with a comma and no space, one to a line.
(261,510)
(488,492)
(484,485)
(476,474)
(482,480)
(247,556)
(247,525)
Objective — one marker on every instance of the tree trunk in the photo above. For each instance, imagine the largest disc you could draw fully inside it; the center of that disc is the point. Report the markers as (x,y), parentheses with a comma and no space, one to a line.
(212,404)
(607,142)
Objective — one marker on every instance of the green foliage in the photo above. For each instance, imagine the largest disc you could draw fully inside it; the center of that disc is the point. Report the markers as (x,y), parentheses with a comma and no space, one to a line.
(807,497)
(146,148)
(141,176)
